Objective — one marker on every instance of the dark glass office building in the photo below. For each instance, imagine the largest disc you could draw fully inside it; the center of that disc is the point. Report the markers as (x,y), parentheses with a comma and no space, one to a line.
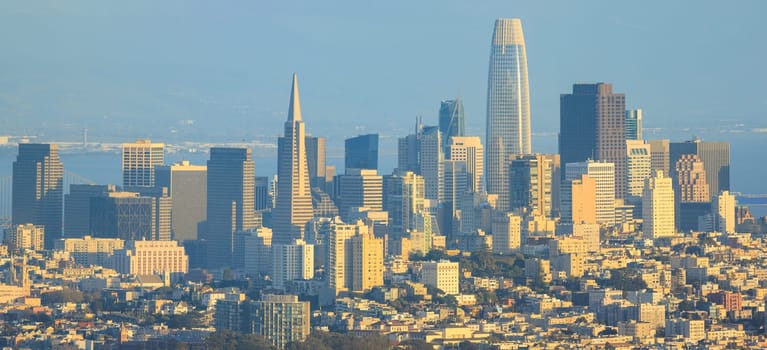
(592,126)
(38,189)
(361,152)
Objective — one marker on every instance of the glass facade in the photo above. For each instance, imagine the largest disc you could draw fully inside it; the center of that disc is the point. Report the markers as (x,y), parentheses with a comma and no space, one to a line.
(508,102)
(451,120)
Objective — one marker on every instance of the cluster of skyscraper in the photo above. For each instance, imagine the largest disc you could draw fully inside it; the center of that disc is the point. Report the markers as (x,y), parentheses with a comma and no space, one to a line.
(448,190)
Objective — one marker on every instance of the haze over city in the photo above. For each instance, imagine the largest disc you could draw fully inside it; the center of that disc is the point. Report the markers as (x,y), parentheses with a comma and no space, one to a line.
(138,68)
(446,175)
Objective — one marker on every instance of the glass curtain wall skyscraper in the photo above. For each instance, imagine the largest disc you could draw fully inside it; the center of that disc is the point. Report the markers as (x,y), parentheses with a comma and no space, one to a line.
(508,102)
(451,120)
(230,207)
(38,189)
(361,152)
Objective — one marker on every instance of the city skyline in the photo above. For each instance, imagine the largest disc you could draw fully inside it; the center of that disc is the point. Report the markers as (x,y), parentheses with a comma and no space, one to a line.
(614,229)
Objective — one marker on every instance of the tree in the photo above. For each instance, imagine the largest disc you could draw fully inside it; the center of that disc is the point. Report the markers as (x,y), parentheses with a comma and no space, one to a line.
(414,344)
(228,340)
(66,295)
(188,320)
(338,341)
(627,279)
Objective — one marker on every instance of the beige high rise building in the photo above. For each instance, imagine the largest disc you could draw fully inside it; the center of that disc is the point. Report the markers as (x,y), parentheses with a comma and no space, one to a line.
(166,258)
(691,179)
(367,262)
(32,237)
(659,155)
(507,233)
(315,159)
(442,275)
(338,258)
(638,167)
(579,200)
(604,176)
(355,257)
(360,188)
(294,197)
(658,206)
(138,162)
(724,212)
(531,179)
(188,186)
(469,149)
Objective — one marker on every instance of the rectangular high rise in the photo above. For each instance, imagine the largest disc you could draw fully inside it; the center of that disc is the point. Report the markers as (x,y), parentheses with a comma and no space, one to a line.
(130,216)
(187,184)
(138,162)
(361,152)
(603,174)
(659,155)
(634,124)
(291,262)
(403,199)
(230,208)
(360,188)
(468,149)
(455,183)
(316,160)
(263,199)
(638,167)
(531,180)
(77,209)
(431,161)
(715,157)
(38,189)
(658,206)
(591,126)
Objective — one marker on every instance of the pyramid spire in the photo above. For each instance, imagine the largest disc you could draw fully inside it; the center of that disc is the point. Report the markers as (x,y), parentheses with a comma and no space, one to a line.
(294,110)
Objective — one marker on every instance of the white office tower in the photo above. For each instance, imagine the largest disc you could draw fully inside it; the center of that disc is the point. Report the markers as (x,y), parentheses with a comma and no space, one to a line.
(469,149)
(638,160)
(724,212)
(292,262)
(658,206)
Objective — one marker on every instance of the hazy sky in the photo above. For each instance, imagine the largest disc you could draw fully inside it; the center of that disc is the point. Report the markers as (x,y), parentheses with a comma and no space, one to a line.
(139,68)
